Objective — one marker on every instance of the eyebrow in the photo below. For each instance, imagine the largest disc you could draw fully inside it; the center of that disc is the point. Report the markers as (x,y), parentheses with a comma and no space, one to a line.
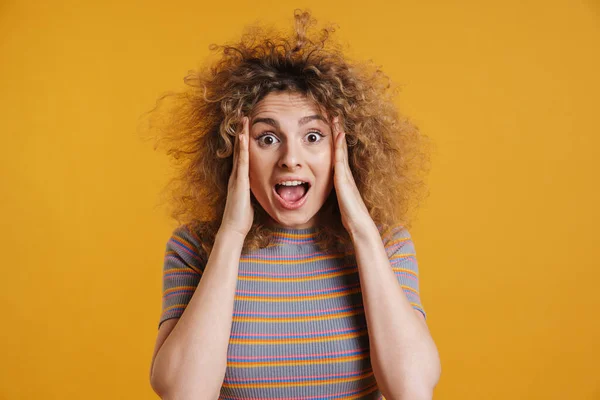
(301,121)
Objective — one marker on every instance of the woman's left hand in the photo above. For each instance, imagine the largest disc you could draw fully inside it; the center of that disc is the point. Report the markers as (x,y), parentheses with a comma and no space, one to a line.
(355,215)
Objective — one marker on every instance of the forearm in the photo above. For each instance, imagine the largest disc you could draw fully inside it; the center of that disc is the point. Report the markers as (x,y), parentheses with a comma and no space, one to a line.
(404,357)
(191,362)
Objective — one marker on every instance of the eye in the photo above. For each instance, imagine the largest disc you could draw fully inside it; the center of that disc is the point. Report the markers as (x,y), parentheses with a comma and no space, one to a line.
(316,136)
(269,139)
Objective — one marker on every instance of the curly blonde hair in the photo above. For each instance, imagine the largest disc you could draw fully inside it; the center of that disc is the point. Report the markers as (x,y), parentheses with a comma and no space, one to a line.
(388,156)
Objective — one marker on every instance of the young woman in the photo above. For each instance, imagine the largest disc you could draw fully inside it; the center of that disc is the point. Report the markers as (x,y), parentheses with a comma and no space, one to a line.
(292,274)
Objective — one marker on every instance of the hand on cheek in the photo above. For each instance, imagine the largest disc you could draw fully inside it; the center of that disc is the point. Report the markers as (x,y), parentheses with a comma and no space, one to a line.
(355,215)
(238,215)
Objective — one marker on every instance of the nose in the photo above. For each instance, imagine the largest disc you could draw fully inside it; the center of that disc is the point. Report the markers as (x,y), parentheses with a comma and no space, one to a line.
(290,156)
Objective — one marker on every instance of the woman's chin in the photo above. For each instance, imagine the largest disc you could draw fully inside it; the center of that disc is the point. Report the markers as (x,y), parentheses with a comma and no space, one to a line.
(291,222)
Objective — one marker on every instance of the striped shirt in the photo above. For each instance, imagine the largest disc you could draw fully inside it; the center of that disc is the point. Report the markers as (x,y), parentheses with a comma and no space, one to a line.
(299,329)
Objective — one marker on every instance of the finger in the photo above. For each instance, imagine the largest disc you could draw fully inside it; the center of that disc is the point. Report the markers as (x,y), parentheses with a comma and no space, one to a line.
(347,159)
(342,150)
(344,143)
(339,138)
(244,150)
(235,155)
(339,154)
(343,154)
(334,135)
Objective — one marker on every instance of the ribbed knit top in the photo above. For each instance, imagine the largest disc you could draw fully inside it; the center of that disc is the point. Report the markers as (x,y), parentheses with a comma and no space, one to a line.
(299,329)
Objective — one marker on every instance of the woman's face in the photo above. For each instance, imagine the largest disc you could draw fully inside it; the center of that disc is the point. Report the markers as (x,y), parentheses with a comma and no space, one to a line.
(290,140)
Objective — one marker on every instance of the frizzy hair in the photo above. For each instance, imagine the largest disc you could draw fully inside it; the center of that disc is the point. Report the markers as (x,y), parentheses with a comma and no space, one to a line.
(388,156)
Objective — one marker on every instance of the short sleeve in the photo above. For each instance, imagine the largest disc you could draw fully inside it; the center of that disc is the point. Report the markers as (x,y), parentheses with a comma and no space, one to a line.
(402,255)
(182,270)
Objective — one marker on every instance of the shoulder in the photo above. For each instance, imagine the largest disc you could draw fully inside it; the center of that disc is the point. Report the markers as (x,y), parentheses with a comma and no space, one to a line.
(184,236)
(185,243)
(395,237)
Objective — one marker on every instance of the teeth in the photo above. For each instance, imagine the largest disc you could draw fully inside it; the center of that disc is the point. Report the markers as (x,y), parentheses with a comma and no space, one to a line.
(291,183)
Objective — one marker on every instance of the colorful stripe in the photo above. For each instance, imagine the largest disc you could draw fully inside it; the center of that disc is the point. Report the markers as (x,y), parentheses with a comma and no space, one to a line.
(298,325)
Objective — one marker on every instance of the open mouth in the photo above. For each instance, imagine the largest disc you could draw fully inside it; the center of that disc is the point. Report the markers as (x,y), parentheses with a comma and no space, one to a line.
(292,196)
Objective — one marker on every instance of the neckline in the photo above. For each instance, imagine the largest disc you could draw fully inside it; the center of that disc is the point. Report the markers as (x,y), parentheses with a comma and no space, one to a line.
(283,235)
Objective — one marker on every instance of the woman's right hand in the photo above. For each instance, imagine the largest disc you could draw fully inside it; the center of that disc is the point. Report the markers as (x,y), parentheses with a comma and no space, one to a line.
(239,214)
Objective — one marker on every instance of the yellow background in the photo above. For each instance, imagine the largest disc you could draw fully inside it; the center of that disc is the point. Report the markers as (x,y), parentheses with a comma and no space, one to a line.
(507,241)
